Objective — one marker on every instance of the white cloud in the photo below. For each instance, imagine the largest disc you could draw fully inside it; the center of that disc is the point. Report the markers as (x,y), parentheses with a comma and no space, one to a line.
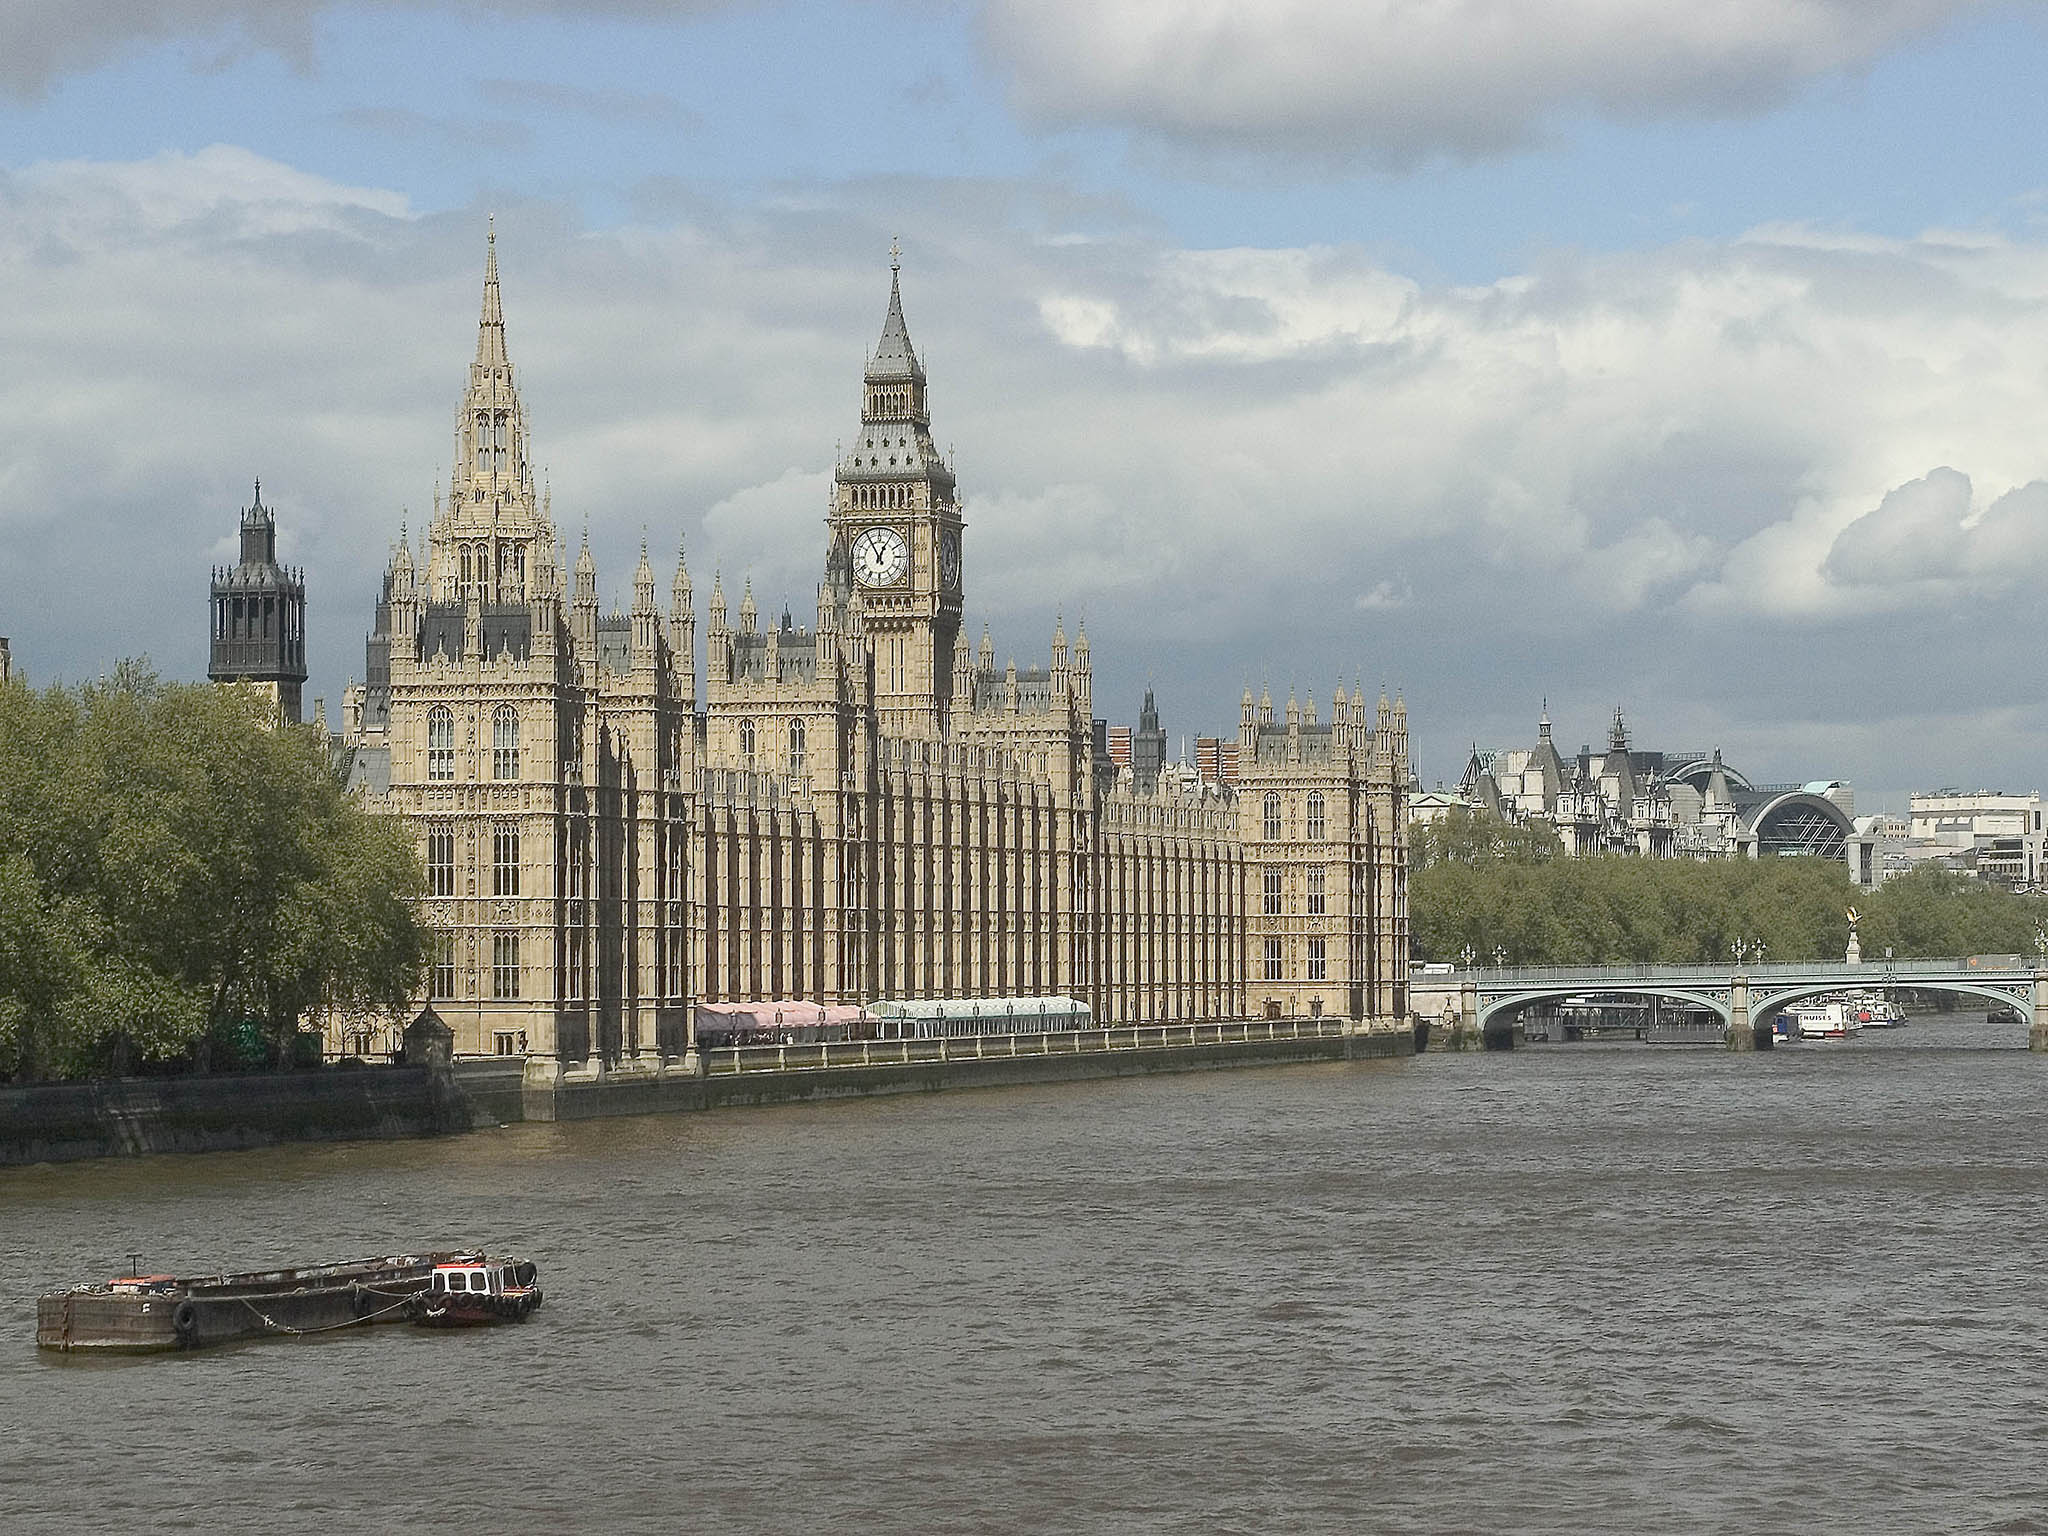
(1234,464)
(1396,82)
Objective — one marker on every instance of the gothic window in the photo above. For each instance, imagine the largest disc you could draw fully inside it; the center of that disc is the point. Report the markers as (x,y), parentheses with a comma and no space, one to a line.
(1318,963)
(796,749)
(1315,817)
(440,744)
(505,859)
(505,965)
(1315,890)
(504,742)
(1272,810)
(444,964)
(440,859)
(573,965)
(747,741)
(1272,893)
(1272,959)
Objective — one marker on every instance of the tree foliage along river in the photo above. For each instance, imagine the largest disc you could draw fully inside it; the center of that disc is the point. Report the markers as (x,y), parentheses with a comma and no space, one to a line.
(181,879)
(1500,887)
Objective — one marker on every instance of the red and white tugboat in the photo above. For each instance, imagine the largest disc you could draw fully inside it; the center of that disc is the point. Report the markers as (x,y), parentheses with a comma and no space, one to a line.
(473,1292)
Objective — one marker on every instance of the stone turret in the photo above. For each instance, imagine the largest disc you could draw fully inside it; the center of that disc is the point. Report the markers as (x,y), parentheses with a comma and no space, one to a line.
(583,623)
(646,621)
(259,616)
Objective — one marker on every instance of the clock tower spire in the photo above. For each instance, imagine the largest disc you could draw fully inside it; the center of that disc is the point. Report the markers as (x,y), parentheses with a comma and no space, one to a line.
(896,533)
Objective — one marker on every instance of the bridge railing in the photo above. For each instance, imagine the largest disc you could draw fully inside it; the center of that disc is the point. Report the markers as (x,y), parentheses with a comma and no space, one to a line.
(1871,972)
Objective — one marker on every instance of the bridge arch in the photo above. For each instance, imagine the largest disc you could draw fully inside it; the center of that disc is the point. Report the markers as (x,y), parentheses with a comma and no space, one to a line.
(2018,995)
(1492,1008)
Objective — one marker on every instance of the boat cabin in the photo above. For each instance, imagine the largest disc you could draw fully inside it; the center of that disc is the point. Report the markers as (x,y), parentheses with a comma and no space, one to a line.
(468,1280)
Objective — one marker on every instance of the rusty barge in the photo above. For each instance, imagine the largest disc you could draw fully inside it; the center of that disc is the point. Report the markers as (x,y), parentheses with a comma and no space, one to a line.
(144,1314)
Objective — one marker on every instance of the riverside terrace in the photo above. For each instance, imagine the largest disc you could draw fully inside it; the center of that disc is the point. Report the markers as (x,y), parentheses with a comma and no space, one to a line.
(1483,1001)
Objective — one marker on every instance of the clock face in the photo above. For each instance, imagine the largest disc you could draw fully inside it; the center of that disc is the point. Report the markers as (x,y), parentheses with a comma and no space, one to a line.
(880,557)
(949,561)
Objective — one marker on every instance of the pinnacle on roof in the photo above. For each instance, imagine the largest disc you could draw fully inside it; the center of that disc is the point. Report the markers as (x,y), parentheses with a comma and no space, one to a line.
(490,330)
(894,357)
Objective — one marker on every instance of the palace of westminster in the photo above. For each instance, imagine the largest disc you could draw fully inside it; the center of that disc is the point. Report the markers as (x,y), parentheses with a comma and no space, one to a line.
(862,808)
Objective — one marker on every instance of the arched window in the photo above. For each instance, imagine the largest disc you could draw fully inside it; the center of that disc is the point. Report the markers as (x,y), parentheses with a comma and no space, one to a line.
(440,744)
(796,749)
(1272,818)
(747,741)
(504,742)
(1315,817)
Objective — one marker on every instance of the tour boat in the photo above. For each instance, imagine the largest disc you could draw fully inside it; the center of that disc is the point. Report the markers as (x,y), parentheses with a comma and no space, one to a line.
(1874,1012)
(1823,1021)
(472,1291)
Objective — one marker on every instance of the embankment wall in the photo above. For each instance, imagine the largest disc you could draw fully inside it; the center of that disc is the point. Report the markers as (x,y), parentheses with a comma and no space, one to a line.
(135,1116)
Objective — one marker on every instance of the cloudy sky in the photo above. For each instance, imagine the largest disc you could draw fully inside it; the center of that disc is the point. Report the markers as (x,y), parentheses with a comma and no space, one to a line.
(1687,357)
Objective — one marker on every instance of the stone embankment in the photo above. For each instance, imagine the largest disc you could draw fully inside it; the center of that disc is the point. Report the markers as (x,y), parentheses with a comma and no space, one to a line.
(132,1116)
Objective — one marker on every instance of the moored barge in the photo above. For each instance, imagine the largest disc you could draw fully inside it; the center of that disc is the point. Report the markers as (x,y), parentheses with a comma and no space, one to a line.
(142,1314)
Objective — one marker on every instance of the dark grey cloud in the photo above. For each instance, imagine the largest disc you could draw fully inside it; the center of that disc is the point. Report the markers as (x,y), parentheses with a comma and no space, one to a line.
(45,40)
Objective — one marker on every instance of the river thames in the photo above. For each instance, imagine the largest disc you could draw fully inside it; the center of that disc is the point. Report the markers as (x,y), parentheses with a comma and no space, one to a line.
(1577,1287)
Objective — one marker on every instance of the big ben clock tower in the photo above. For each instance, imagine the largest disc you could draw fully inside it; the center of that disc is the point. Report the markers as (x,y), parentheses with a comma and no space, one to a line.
(896,534)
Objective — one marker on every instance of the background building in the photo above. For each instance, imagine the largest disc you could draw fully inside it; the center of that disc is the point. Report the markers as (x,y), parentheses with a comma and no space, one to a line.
(1658,804)
(855,808)
(1995,835)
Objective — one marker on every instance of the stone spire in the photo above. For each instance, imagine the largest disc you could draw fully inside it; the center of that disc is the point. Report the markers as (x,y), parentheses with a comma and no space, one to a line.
(583,618)
(490,329)
(894,357)
(717,601)
(987,658)
(679,609)
(492,537)
(748,612)
(586,572)
(643,583)
(646,621)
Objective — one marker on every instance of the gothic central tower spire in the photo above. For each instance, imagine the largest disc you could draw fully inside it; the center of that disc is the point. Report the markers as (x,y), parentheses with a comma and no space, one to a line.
(492,539)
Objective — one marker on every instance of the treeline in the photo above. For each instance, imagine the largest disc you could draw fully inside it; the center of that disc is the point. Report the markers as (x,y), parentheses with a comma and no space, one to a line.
(183,883)
(1481,882)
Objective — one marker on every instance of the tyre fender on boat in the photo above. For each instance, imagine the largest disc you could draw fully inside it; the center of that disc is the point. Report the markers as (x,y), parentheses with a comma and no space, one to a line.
(185,1322)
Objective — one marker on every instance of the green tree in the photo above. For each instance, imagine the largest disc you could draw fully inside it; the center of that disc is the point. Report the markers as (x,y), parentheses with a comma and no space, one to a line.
(173,866)
(1611,909)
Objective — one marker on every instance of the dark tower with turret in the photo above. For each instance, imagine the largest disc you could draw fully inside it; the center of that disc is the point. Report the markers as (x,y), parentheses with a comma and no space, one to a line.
(259,616)
(1148,747)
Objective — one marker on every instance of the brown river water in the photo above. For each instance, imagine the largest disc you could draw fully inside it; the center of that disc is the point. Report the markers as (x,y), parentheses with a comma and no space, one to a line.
(1583,1287)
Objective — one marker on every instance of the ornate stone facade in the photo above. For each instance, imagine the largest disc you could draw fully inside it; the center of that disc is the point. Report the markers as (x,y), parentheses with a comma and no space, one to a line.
(857,808)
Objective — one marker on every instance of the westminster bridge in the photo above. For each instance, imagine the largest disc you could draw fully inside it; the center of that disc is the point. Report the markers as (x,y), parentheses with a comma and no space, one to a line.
(1485,1000)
